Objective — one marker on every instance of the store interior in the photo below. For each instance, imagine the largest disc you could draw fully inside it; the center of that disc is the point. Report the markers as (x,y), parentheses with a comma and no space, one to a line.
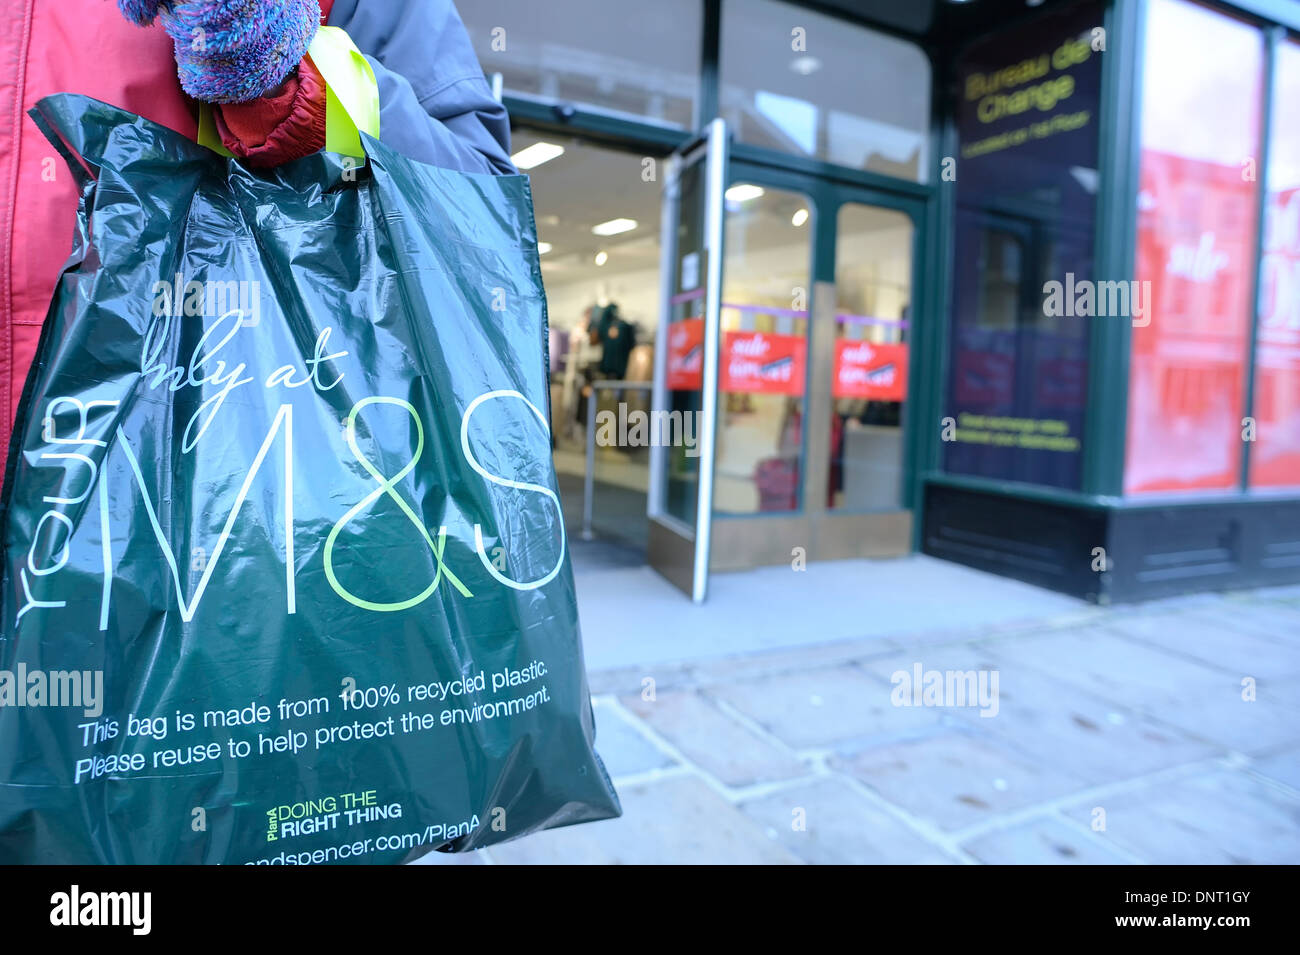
(598,219)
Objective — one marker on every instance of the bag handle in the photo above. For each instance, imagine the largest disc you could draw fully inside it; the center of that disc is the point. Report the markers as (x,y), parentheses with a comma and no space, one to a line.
(351,96)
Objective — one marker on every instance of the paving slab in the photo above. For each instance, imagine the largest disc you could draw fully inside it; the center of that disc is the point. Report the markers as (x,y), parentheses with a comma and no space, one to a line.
(1265,723)
(1175,604)
(824,707)
(1057,723)
(623,748)
(1282,766)
(675,821)
(1191,635)
(1217,818)
(755,665)
(1286,593)
(1199,699)
(776,696)
(634,617)
(1045,840)
(841,827)
(727,669)
(955,780)
(1101,661)
(1271,619)
(713,740)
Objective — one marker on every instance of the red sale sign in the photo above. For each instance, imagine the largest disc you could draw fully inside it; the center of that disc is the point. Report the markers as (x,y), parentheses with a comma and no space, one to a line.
(762,363)
(867,370)
(686,355)
(1196,238)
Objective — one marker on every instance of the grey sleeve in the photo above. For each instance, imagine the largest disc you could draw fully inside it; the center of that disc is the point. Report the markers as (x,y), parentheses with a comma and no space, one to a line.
(434,103)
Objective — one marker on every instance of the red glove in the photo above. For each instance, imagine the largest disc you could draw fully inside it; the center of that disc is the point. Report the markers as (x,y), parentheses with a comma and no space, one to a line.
(286,123)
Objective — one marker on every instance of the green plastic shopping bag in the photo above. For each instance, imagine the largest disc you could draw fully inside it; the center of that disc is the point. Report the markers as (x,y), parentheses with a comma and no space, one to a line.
(285,577)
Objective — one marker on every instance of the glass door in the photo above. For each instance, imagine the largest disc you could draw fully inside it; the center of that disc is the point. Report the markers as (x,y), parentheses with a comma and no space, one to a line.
(763,372)
(685,397)
(783,368)
(871,356)
(816,364)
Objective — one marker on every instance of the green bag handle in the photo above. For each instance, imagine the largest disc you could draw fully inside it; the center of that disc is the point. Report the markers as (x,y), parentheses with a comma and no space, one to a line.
(351,96)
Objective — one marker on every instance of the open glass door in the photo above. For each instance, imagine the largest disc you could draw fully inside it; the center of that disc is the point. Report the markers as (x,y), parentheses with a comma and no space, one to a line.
(685,400)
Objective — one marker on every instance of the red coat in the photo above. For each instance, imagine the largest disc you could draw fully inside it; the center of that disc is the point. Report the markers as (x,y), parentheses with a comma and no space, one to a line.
(84,46)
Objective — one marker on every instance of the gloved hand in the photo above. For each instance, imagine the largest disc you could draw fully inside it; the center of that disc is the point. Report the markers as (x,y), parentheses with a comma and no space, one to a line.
(231,51)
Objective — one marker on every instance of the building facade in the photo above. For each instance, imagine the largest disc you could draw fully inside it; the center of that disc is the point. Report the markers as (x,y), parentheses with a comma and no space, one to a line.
(1013,284)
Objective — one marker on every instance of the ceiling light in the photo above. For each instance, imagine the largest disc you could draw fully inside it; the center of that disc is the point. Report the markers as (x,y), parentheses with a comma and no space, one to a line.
(614,227)
(743,192)
(799,218)
(543,248)
(602,258)
(536,154)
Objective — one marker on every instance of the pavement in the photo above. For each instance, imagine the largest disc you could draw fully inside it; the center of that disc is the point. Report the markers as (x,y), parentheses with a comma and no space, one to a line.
(778,723)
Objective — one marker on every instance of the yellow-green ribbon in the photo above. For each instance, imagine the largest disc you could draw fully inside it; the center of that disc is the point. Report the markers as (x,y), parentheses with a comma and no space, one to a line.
(351,96)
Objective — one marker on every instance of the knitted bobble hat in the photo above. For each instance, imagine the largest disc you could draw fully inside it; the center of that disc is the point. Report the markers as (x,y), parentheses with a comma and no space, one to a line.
(139,12)
(231,51)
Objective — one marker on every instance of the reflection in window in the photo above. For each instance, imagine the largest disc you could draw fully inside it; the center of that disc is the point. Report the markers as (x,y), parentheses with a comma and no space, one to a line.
(806,83)
(1275,455)
(763,361)
(1203,84)
(873,295)
(580,51)
(796,119)
(1001,279)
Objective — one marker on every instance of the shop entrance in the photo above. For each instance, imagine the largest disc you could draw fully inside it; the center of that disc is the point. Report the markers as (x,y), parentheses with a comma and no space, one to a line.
(730,356)
(792,349)
(597,212)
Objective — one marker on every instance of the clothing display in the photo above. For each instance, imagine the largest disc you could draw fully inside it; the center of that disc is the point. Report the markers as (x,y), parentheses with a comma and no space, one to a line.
(617,338)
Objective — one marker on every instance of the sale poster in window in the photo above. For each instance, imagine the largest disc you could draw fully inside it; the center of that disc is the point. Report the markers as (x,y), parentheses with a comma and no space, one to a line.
(1197,221)
(686,354)
(763,363)
(876,372)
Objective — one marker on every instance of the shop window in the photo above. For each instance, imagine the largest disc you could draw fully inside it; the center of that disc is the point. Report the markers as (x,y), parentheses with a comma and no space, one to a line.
(809,84)
(1026,190)
(763,362)
(1197,202)
(1275,453)
(873,296)
(579,51)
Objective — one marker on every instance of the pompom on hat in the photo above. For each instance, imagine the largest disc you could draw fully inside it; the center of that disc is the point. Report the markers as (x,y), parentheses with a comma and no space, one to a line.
(231,51)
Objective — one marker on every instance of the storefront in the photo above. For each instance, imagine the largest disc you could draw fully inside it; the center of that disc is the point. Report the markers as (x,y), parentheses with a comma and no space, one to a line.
(1014,284)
